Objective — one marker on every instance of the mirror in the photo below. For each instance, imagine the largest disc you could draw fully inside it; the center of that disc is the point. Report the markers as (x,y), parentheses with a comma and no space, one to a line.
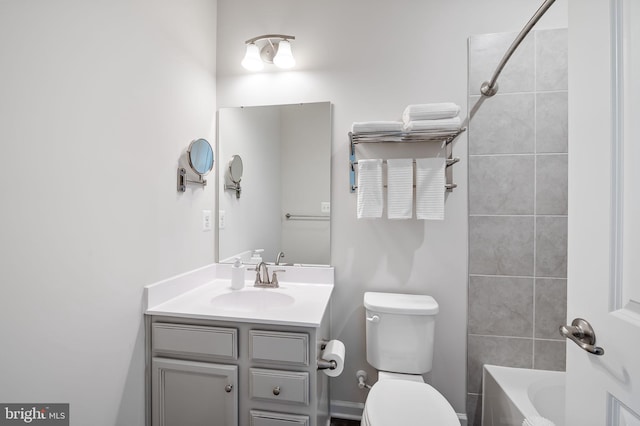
(200,156)
(284,154)
(234,175)
(235,169)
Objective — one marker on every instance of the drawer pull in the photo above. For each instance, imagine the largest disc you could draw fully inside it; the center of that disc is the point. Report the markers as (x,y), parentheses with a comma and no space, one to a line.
(276,390)
(228,388)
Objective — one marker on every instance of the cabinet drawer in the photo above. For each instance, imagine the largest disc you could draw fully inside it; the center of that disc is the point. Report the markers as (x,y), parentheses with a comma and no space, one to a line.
(267,418)
(277,346)
(279,386)
(195,340)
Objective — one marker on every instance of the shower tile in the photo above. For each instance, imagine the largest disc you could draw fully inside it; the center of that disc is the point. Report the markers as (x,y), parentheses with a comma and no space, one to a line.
(501,184)
(550,355)
(551,246)
(501,245)
(551,60)
(474,409)
(505,351)
(551,184)
(551,307)
(503,124)
(552,122)
(501,306)
(486,51)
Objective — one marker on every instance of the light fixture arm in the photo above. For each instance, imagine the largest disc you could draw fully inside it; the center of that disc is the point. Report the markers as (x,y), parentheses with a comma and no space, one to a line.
(269,37)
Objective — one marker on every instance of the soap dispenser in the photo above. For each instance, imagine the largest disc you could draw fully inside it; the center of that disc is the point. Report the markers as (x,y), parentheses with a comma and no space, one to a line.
(237,275)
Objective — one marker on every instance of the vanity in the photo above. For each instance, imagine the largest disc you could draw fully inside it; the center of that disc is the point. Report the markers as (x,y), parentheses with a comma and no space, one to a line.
(217,356)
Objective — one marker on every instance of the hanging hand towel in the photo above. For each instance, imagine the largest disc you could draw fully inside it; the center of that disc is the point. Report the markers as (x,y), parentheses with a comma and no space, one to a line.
(400,188)
(369,188)
(430,188)
(445,124)
(430,111)
(377,126)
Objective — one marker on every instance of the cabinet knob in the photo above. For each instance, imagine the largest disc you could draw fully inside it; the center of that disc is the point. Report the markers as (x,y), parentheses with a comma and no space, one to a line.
(228,388)
(276,390)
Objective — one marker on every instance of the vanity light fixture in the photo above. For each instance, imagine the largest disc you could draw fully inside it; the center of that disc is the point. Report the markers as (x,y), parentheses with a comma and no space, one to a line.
(276,49)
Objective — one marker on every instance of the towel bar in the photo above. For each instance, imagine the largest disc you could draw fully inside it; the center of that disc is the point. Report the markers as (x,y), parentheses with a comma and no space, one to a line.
(290,216)
(446,137)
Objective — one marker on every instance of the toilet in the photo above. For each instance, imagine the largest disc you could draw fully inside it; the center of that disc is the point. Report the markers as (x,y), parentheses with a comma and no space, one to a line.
(400,333)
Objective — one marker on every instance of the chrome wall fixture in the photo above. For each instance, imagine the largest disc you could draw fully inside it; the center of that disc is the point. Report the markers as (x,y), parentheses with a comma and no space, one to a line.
(200,156)
(270,48)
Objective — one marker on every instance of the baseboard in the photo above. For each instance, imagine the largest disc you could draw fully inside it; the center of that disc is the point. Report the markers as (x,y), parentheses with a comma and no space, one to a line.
(346,410)
(353,411)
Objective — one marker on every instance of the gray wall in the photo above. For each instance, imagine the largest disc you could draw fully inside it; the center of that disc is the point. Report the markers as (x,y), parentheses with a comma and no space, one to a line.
(517,207)
(371,61)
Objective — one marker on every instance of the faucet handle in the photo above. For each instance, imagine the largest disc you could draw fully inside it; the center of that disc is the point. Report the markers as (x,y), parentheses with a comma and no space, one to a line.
(274,277)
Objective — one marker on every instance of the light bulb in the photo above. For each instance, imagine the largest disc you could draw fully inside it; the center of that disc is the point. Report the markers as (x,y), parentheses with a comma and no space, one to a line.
(284,57)
(252,60)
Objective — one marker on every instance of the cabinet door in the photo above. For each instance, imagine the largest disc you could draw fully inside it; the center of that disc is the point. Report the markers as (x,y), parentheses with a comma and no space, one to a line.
(189,393)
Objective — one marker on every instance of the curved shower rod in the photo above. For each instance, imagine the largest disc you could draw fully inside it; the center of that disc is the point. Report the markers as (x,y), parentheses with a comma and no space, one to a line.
(490,88)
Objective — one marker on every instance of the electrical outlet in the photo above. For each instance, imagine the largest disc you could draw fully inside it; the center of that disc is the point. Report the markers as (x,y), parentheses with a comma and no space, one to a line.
(325,207)
(206,220)
(221,220)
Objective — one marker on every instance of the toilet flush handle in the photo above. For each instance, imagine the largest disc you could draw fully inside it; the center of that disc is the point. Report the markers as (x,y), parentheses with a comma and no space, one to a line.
(374,319)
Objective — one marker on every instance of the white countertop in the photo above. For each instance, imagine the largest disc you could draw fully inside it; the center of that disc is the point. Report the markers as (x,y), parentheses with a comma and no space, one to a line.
(206,294)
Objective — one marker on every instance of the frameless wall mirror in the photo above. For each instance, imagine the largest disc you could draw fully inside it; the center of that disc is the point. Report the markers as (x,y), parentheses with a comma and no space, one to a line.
(285,153)
(200,156)
(234,175)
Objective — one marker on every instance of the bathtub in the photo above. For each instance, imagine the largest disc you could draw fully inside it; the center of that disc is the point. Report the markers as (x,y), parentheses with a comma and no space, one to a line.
(512,394)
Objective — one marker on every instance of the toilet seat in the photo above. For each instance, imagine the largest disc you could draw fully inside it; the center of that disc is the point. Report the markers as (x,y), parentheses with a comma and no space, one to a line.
(399,402)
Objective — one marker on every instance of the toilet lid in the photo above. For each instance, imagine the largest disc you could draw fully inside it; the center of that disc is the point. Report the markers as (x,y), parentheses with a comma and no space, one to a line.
(399,402)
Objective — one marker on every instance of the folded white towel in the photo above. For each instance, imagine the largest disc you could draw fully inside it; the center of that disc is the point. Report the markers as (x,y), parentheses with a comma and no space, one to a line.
(400,188)
(376,126)
(430,111)
(444,124)
(369,188)
(537,421)
(430,188)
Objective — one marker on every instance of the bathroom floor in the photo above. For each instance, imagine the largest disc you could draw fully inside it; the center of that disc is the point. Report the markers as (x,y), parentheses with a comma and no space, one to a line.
(342,422)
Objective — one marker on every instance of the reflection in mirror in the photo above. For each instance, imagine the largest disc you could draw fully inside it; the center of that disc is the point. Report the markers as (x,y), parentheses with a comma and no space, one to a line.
(235,169)
(234,175)
(287,153)
(200,156)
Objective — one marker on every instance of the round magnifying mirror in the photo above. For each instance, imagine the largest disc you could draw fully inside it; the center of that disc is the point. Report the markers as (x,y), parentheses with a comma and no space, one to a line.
(200,156)
(235,169)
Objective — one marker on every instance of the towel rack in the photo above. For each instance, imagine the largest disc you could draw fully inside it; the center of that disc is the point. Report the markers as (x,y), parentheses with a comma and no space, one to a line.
(411,137)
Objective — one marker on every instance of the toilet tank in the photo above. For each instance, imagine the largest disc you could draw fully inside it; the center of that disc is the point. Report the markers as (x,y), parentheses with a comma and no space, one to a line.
(400,331)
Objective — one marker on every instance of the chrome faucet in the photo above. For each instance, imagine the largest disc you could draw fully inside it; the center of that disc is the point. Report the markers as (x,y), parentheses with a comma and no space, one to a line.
(280,256)
(263,281)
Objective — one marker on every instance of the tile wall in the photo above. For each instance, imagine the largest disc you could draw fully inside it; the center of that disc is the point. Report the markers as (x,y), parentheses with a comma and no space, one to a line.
(517,207)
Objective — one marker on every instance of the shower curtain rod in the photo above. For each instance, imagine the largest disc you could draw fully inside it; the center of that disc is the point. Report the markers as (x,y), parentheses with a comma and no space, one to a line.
(490,88)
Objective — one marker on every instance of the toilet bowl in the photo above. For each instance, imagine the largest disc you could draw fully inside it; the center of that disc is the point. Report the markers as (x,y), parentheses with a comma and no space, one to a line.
(400,336)
(400,402)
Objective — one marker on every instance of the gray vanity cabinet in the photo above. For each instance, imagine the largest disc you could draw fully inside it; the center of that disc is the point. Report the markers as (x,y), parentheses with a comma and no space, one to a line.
(222,373)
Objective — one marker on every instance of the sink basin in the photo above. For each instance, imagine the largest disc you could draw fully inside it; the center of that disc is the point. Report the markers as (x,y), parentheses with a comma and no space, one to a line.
(250,300)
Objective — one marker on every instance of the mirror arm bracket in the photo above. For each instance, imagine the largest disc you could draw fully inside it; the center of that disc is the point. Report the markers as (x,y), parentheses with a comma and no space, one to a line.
(183,180)
(235,187)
